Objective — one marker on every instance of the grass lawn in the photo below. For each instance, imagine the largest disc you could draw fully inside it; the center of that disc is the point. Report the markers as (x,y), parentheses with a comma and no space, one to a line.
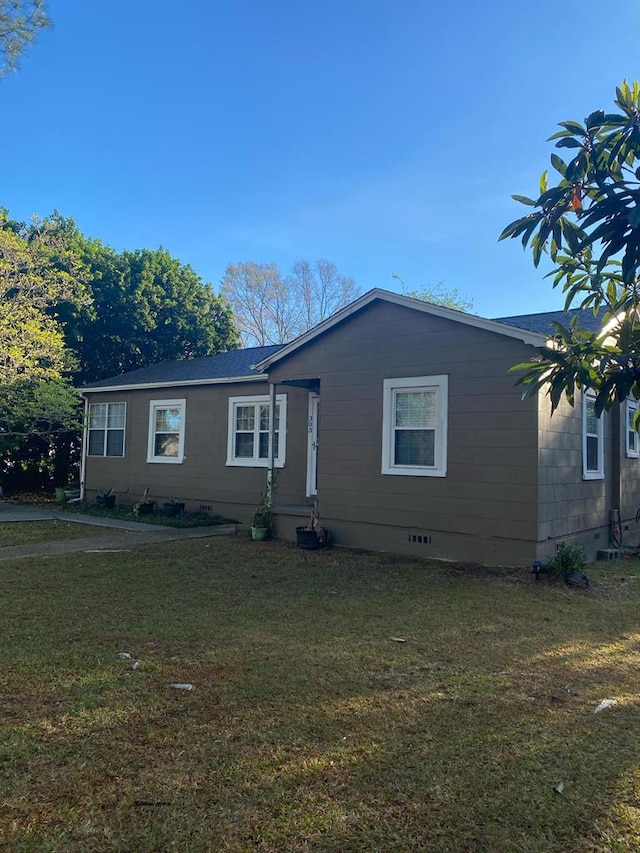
(26,532)
(311,727)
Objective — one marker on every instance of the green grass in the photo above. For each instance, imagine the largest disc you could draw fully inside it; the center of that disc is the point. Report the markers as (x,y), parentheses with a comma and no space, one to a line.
(28,532)
(311,728)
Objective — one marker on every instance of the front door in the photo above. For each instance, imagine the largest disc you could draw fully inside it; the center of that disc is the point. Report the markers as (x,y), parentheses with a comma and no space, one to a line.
(312,445)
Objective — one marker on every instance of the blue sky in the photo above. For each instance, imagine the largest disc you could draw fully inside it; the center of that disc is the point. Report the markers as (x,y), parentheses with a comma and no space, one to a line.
(386,137)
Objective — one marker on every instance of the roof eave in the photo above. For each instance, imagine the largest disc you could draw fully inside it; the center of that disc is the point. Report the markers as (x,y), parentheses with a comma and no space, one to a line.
(142,386)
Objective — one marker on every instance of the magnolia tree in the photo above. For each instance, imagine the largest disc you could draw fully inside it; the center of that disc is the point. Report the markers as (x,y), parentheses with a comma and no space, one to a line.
(587,221)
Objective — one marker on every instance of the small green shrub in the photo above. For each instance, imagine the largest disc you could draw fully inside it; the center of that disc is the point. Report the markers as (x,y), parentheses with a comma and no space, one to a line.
(567,559)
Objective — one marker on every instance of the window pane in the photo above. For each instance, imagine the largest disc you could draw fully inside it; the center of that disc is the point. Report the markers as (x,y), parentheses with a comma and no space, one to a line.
(97,415)
(244,445)
(415,447)
(264,445)
(96,442)
(416,409)
(592,420)
(592,453)
(264,416)
(166,444)
(632,435)
(245,417)
(263,452)
(168,420)
(115,416)
(115,442)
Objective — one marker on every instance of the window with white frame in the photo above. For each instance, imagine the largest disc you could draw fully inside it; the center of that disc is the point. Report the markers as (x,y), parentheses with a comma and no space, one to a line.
(414,426)
(592,439)
(248,436)
(166,431)
(106,429)
(632,447)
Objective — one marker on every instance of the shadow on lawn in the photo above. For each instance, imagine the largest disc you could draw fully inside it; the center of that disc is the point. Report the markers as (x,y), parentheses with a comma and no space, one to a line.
(311,729)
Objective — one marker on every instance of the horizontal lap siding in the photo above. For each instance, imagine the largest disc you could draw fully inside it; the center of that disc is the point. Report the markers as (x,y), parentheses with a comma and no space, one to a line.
(203,477)
(630,489)
(491,483)
(571,508)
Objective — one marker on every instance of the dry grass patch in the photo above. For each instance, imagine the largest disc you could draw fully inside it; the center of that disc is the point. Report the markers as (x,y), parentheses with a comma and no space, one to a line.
(310,728)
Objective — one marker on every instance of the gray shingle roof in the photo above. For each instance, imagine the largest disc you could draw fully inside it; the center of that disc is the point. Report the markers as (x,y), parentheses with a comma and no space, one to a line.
(240,362)
(224,365)
(542,322)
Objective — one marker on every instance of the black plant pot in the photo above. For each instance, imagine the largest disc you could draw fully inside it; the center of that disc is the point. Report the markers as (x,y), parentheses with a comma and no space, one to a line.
(146,508)
(309,539)
(106,501)
(173,509)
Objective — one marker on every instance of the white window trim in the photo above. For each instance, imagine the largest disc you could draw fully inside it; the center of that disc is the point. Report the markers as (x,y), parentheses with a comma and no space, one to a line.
(439,384)
(597,474)
(254,462)
(631,408)
(106,430)
(165,404)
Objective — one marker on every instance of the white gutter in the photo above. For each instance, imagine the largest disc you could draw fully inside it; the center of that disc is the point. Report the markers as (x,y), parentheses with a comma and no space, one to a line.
(176,383)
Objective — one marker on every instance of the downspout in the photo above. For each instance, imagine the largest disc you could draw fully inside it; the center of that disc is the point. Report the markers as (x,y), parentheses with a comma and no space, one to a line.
(615,517)
(271,462)
(83,459)
(616,467)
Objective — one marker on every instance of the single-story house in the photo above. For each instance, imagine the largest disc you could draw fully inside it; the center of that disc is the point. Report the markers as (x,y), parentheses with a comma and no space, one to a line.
(397,418)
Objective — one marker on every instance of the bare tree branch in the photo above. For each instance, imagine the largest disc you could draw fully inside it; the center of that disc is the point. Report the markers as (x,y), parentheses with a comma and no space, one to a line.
(270,309)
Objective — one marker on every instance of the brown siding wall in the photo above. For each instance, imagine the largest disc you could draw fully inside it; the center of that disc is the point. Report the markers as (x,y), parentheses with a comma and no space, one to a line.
(486,507)
(203,478)
(629,489)
(571,509)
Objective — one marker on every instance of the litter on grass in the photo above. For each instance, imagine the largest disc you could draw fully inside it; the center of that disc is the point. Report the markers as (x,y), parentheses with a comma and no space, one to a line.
(398,639)
(124,656)
(559,788)
(107,551)
(605,705)
(135,664)
(179,686)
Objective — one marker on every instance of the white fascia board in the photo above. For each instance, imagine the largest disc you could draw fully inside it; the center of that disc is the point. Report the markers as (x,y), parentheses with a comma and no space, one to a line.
(534,338)
(142,386)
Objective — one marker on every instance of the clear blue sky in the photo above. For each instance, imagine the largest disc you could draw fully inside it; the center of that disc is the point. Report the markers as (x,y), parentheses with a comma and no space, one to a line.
(385,136)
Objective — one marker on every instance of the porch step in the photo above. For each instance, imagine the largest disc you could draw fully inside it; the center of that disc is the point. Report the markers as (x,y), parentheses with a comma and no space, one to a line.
(292,509)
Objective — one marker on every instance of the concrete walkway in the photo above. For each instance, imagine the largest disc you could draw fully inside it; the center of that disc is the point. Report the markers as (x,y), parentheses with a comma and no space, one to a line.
(119,535)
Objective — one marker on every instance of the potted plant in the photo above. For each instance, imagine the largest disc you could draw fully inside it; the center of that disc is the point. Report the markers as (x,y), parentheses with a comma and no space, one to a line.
(262,524)
(173,508)
(144,506)
(61,495)
(313,536)
(106,500)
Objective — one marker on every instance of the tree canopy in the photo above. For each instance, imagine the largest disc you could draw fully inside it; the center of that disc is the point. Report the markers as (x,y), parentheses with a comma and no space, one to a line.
(20,22)
(588,224)
(73,311)
(270,308)
(38,274)
(145,306)
(438,295)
